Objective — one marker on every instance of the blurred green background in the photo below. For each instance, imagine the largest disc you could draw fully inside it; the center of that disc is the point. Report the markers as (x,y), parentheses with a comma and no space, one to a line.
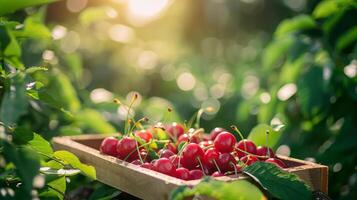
(291,62)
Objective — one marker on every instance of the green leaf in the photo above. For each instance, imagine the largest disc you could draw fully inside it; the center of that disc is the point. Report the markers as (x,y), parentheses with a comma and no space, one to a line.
(33,28)
(9,6)
(347,39)
(258,135)
(14,102)
(59,90)
(34,69)
(282,185)
(43,96)
(275,51)
(10,47)
(26,162)
(94,121)
(329,7)
(71,159)
(54,189)
(59,172)
(241,189)
(41,145)
(104,192)
(298,23)
(22,135)
(311,92)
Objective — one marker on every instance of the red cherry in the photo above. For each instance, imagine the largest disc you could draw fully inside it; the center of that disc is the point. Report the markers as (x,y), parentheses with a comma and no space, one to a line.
(196,174)
(144,134)
(215,132)
(147,165)
(224,142)
(175,130)
(109,146)
(211,155)
(163,165)
(165,153)
(182,173)
(225,162)
(175,160)
(171,147)
(249,159)
(277,162)
(136,162)
(217,174)
(125,147)
(186,138)
(263,151)
(250,147)
(191,154)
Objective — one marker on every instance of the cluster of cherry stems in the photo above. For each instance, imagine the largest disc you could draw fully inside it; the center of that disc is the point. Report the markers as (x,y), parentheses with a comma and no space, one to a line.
(215,154)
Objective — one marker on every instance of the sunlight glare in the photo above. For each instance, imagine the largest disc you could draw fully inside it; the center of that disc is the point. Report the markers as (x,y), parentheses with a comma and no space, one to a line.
(141,12)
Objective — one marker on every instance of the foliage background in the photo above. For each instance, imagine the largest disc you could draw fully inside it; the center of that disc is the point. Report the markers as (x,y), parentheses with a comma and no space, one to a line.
(254,61)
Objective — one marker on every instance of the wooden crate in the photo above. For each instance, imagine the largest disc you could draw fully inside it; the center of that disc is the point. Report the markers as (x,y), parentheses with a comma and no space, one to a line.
(148,184)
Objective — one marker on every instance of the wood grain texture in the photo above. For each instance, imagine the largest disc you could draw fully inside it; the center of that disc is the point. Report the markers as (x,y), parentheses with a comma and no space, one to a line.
(148,184)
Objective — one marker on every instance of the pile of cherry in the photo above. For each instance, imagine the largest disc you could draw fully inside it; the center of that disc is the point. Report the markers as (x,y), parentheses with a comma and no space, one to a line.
(216,154)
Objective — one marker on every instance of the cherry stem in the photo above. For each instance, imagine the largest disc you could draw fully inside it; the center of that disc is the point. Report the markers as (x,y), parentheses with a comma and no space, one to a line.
(235,168)
(235,128)
(138,123)
(127,124)
(198,117)
(267,142)
(180,153)
(199,161)
(137,149)
(207,147)
(263,157)
(215,163)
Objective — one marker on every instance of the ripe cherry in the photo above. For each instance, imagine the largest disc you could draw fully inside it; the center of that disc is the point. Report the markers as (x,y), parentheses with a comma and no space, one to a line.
(263,151)
(109,146)
(147,165)
(224,142)
(186,138)
(276,162)
(226,162)
(249,159)
(175,159)
(182,173)
(165,153)
(171,147)
(247,146)
(163,165)
(146,135)
(175,130)
(211,155)
(217,174)
(196,174)
(215,132)
(191,155)
(126,149)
